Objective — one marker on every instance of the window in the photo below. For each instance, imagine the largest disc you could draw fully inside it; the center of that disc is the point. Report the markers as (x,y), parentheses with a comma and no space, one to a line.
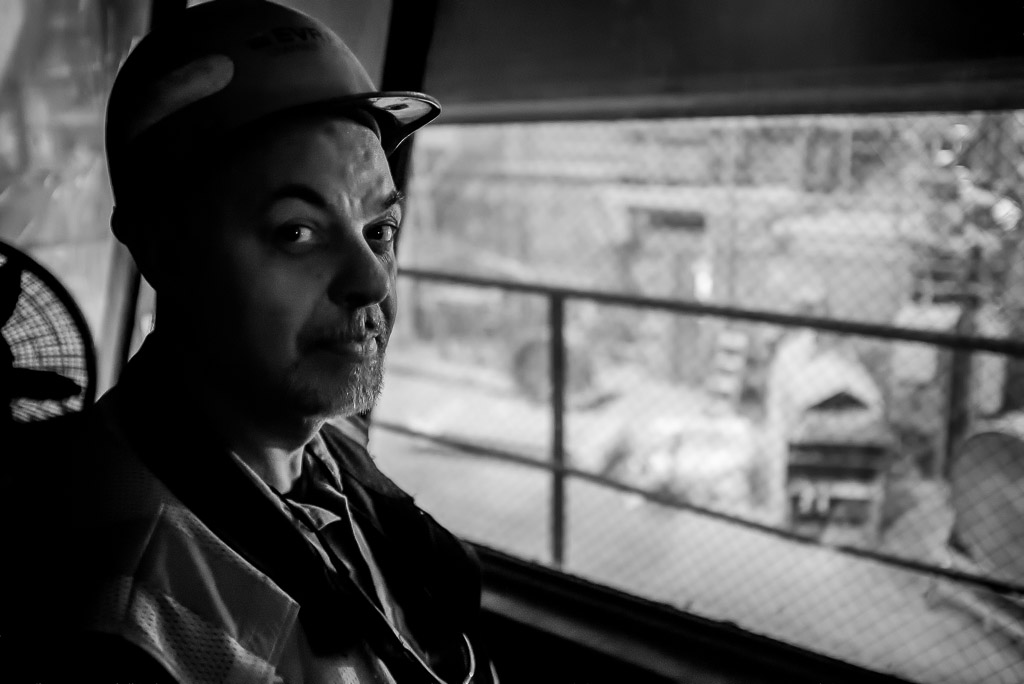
(57,62)
(814,479)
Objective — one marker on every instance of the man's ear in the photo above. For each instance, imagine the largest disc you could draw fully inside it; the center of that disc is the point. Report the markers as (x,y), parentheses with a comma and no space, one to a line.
(142,238)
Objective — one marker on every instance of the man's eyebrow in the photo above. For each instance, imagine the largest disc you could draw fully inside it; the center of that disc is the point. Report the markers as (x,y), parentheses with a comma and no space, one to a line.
(311,196)
(298,191)
(394,197)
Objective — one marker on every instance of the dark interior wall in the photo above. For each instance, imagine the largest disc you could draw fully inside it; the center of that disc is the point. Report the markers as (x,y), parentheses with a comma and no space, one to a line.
(362,24)
(500,51)
(525,656)
(540,625)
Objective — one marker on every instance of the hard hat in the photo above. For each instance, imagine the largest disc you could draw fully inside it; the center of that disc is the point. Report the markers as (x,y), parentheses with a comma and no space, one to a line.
(227,63)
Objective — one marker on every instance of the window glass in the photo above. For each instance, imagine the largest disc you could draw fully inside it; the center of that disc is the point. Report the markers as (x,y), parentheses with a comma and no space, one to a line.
(858,495)
(57,61)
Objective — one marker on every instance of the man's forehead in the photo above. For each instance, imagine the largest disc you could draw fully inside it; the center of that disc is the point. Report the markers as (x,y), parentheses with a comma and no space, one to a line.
(341,137)
(305,150)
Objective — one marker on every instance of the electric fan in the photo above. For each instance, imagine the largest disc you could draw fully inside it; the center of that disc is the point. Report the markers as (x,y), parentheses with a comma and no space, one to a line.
(47,361)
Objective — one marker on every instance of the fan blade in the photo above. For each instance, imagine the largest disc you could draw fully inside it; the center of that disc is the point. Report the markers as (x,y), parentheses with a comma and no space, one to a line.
(27,383)
(10,290)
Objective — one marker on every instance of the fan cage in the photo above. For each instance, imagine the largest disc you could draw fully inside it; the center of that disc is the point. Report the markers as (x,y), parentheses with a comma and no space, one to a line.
(47,331)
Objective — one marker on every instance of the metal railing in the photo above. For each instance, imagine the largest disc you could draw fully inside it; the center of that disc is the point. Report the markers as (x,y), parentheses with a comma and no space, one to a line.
(560,471)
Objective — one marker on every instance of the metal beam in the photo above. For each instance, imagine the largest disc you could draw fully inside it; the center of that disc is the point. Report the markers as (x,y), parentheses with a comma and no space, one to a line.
(410,34)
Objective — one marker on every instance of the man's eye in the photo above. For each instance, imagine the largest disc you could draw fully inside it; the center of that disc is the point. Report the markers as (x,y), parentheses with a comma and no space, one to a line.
(384,232)
(294,234)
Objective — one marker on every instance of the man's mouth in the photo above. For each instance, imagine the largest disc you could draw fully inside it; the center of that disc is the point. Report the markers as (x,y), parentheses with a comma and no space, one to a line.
(352,349)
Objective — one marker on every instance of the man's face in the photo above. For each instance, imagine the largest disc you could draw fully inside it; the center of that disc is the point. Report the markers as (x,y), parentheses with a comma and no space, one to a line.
(293,288)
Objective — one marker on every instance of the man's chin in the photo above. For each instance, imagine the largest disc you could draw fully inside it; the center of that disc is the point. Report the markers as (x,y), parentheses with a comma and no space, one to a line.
(330,395)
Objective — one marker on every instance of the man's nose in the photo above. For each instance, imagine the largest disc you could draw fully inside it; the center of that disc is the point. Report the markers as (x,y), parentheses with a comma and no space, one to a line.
(363,278)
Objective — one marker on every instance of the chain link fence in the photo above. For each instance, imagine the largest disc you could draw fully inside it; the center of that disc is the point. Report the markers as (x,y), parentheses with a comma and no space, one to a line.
(857,495)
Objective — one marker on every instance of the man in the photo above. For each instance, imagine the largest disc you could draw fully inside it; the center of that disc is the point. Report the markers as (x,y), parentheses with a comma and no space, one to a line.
(205,521)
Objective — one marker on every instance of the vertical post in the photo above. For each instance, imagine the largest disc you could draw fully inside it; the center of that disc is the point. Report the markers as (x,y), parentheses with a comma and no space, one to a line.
(845,178)
(734,147)
(410,33)
(16,91)
(961,401)
(556,312)
(125,282)
(129,314)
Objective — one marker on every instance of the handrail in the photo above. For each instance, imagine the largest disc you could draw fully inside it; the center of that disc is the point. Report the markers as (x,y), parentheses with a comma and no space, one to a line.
(1007,589)
(557,297)
(694,308)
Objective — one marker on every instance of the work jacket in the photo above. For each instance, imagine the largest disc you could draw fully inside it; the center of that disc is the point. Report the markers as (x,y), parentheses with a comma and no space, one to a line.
(131,534)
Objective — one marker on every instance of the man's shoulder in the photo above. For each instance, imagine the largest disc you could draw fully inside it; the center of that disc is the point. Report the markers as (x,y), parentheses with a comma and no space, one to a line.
(71,490)
(75,509)
(51,436)
(52,459)
(74,460)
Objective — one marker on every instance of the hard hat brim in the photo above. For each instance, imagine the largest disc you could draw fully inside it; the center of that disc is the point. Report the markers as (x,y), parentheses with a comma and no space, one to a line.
(398,113)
